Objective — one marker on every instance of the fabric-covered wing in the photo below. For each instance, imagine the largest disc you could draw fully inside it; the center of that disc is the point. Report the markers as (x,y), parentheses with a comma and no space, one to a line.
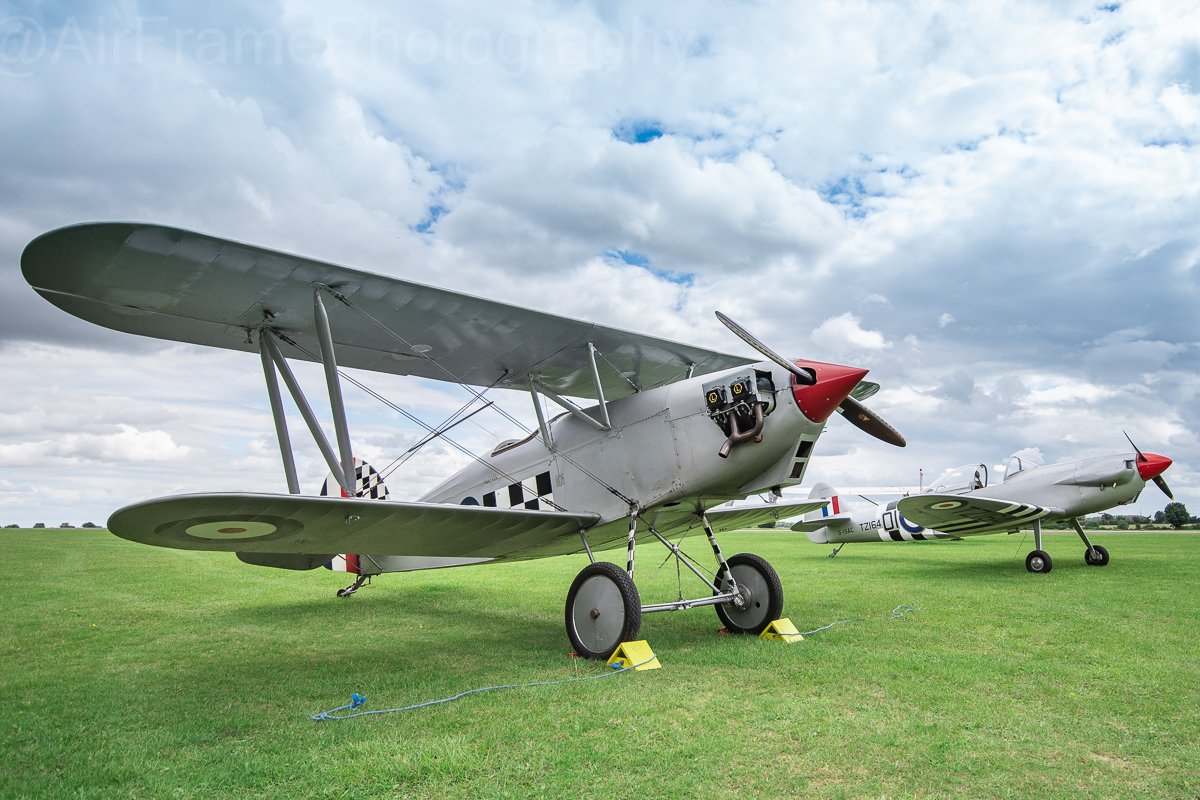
(964,515)
(269,523)
(188,287)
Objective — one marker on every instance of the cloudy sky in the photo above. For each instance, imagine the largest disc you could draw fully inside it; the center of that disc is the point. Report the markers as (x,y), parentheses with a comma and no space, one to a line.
(993,206)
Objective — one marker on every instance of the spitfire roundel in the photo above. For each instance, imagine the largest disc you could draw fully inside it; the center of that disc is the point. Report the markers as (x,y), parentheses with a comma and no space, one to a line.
(949,504)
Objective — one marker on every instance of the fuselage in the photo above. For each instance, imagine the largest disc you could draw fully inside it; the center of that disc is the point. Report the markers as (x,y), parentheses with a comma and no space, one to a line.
(662,450)
(1071,489)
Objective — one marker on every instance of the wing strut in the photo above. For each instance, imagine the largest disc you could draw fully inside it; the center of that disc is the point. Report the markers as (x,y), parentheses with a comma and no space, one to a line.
(281,430)
(537,406)
(569,406)
(599,388)
(325,338)
(306,411)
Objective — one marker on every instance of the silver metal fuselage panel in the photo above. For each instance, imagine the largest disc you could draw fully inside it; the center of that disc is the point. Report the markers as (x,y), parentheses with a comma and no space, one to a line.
(661,451)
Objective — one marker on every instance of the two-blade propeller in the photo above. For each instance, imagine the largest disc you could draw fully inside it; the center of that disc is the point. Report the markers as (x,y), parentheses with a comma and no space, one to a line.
(855,412)
(1157,478)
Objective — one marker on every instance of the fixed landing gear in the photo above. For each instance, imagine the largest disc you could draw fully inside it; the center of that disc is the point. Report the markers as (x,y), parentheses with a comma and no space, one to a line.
(836,550)
(604,606)
(1095,555)
(354,587)
(760,595)
(603,610)
(1038,562)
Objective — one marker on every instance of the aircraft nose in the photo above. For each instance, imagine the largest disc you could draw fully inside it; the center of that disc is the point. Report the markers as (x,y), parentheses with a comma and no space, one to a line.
(1152,466)
(834,383)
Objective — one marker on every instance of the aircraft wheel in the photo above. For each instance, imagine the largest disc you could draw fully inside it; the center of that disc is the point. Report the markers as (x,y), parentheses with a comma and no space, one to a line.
(1038,562)
(1101,556)
(603,610)
(762,590)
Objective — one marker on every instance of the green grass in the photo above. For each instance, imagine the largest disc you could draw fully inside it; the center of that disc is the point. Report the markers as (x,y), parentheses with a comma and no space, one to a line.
(131,671)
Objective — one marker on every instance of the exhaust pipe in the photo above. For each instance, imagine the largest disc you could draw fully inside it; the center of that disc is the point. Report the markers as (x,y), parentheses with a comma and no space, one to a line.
(736,436)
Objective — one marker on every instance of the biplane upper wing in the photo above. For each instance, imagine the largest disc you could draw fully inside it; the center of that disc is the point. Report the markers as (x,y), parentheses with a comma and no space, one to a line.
(182,286)
(964,515)
(288,523)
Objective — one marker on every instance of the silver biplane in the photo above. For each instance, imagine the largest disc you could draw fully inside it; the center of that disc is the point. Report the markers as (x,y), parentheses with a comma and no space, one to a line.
(961,503)
(675,432)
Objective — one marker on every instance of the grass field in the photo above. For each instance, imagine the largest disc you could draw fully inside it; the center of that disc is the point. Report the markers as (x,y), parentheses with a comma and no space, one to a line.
(131,671)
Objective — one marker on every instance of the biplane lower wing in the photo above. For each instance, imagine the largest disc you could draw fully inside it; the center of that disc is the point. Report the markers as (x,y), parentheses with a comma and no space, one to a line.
(964,515)
(669,521)
(267,523)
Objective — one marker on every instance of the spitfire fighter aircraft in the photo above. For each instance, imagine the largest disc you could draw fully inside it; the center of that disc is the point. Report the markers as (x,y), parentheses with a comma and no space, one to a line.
(674,435)
(962,503)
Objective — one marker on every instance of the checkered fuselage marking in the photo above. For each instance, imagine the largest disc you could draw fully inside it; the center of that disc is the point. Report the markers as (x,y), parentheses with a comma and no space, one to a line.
(534,494)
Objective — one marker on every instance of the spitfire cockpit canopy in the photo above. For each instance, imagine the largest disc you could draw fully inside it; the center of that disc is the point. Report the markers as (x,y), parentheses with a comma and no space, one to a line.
(1017,465)
(960,480)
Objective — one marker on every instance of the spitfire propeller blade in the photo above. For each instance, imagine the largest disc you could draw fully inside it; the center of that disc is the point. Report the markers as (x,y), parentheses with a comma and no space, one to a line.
(1160,483)
(1151,468)
(868,421)
(859,415)
(1135,447)
(803,376)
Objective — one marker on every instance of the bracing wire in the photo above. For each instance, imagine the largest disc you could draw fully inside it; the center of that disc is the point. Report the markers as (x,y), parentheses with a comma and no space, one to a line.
(412,417)
(457,380)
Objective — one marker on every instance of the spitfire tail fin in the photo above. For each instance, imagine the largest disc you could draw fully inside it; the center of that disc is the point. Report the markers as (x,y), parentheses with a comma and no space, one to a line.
(823,491)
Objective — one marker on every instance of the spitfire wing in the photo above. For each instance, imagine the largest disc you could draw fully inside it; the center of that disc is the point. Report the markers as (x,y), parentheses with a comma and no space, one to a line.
(966,514)
(188,287)
(268,523)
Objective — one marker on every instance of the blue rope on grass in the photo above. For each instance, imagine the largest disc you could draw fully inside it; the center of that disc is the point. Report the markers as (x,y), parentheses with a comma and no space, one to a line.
(859,619)
(357,699)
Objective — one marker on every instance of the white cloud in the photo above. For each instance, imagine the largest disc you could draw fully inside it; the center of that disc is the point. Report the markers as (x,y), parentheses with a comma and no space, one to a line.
(127,445)
(1027,169)
(844,333)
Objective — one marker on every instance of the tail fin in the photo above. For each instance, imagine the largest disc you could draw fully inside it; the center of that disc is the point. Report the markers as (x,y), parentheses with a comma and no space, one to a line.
(823,491)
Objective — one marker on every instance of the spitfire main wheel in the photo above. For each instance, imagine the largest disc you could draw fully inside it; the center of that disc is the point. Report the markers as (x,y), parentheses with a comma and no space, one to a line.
(1096,557)
(1038,562)
(603,610)
(762,595)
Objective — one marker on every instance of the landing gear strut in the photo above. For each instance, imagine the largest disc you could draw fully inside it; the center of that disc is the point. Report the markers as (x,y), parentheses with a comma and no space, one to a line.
(354,587)
(1038,561)
(1095,555)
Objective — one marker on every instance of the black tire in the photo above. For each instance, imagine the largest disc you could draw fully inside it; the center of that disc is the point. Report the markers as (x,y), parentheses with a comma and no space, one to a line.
(1102,554)
(1038,562)
(603,610)
(764,604)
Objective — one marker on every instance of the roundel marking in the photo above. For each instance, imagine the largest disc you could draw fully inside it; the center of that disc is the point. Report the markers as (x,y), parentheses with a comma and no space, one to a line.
(227,531)
(230,529)
(908,526)
(947,505)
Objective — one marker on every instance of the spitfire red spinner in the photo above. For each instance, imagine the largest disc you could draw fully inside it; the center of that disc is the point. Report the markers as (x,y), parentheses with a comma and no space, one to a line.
(668,436)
